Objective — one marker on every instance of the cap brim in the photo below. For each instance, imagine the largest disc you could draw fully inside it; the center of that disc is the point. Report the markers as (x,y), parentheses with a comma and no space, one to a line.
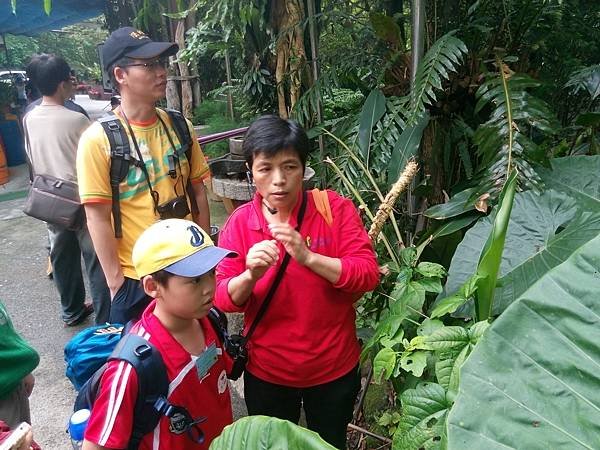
(153,50)
(200,262)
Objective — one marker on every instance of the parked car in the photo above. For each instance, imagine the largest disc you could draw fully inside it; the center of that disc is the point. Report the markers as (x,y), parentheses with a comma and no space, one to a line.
(97,92)
(8,76)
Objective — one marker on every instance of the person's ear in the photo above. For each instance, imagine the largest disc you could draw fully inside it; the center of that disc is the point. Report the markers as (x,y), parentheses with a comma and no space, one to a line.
(151,287)
(119,73)
(248,173)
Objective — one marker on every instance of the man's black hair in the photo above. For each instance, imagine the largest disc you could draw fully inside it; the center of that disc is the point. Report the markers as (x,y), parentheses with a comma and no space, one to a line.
(47,72)
(121,62)
(272,134)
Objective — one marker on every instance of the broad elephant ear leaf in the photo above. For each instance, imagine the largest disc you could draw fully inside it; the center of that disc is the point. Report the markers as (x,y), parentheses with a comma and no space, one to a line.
(267,433)
(576,176)
(532,380)
(544,230)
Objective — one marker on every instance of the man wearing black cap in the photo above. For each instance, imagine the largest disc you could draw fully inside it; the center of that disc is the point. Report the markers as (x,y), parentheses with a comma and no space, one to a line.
(147,192)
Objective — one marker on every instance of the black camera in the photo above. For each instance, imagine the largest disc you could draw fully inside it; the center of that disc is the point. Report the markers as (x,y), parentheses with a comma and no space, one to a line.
(176,208)
(235,346)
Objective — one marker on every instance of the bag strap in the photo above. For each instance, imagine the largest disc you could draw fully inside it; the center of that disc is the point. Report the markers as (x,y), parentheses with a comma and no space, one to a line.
(120,159)
(278,277)
(185,139)
(153,383)
(321,200)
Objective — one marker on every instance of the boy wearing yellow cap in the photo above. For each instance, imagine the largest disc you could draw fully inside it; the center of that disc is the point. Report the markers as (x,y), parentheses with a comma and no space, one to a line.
(175,260)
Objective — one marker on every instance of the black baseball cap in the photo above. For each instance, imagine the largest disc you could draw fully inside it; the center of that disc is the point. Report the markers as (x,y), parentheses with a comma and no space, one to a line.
(132,43)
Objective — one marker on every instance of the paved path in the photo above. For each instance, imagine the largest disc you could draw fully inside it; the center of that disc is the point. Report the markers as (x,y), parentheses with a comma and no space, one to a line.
(33,303)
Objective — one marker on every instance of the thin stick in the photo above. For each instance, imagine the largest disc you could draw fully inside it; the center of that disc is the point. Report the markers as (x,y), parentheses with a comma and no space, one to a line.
(363,395)
(369,433)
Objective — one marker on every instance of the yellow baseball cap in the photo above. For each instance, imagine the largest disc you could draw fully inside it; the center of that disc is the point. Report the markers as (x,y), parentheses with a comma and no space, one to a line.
(177,246)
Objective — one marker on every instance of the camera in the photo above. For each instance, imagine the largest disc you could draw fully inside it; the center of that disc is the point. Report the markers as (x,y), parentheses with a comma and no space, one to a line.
(235,346)
(176,208)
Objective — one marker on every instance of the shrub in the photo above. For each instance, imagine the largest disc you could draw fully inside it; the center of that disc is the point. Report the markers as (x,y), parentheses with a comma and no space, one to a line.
(208,109)
(341,103)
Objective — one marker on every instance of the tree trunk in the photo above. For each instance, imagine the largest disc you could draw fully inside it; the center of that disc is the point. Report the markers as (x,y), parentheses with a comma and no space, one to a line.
(287,20)
(190,22)
(282,51)
(187,97)
(173,101)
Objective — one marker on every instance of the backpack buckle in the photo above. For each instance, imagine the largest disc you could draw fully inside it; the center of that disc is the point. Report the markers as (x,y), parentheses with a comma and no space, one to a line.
(143,350)
(113,125)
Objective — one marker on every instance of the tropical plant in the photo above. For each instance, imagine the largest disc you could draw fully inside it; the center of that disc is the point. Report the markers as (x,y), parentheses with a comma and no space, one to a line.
(267,433)
(531,380)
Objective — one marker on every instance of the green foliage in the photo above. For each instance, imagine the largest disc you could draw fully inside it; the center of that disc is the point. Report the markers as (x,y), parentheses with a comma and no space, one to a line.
(491,255)
(207,109)
(443,58)
(424,411)
(504,138)
(341,102)
(267,433)
(76,44)
(538,360)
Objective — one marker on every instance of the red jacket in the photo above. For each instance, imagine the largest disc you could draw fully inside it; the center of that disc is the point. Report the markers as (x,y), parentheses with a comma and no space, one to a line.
(308,335)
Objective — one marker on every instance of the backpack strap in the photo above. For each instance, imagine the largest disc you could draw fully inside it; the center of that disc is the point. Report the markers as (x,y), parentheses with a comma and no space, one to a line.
(153,383)
(321,200)
(218,320)
(120,158)
(185,139)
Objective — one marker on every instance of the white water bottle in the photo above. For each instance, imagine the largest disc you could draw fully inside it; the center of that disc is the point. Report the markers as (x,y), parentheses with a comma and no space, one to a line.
(77,424)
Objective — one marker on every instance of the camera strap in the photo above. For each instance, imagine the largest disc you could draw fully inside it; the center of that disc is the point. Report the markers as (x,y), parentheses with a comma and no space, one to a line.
(278,277)
(142,166)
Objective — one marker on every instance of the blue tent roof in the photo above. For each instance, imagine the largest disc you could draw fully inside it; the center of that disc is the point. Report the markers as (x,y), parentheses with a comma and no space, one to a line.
(30,18)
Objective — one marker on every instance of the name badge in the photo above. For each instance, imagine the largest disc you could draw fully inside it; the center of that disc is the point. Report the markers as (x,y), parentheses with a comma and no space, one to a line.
(206,360)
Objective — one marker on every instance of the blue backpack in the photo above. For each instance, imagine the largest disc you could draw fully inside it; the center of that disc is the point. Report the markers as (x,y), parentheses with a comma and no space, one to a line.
(88,350)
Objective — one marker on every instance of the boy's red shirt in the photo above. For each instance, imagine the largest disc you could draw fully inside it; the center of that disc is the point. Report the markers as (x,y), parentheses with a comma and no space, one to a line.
(112,416)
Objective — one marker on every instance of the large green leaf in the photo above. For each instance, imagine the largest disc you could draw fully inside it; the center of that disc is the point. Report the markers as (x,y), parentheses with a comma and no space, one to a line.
(576,176)
(544,230)
(424,412)
(532,381)
(460,203)
(491,255)
(372,111)
(267,433)
(406,147)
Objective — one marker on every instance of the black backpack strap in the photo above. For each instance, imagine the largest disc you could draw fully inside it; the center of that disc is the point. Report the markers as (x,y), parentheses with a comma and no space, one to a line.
(153,383)
(218,320)
(286,260)
(185,139)
(120,158)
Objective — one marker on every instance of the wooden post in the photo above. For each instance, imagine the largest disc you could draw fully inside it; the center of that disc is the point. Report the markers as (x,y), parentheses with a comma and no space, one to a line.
(229,95)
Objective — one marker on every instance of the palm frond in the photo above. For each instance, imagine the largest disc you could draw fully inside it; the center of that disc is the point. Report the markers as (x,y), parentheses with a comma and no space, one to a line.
(504,140)
(441,59)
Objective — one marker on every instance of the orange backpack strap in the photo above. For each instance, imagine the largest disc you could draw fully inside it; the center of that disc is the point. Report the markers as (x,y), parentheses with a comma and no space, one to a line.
(321,200)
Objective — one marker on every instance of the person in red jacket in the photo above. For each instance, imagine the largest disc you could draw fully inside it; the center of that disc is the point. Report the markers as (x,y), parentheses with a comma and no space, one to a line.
(305,350)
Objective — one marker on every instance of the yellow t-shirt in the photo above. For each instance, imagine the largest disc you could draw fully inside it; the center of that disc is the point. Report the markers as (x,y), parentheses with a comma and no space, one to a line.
(137,207)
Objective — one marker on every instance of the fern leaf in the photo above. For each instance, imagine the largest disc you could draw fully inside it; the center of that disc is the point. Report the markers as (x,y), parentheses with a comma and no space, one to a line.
(443,57)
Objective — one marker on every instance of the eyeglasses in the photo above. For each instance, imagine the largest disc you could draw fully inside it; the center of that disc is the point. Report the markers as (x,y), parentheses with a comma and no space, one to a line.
(161,63)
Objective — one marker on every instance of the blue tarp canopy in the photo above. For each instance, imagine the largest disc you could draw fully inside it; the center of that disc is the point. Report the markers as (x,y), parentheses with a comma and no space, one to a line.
(30,18)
